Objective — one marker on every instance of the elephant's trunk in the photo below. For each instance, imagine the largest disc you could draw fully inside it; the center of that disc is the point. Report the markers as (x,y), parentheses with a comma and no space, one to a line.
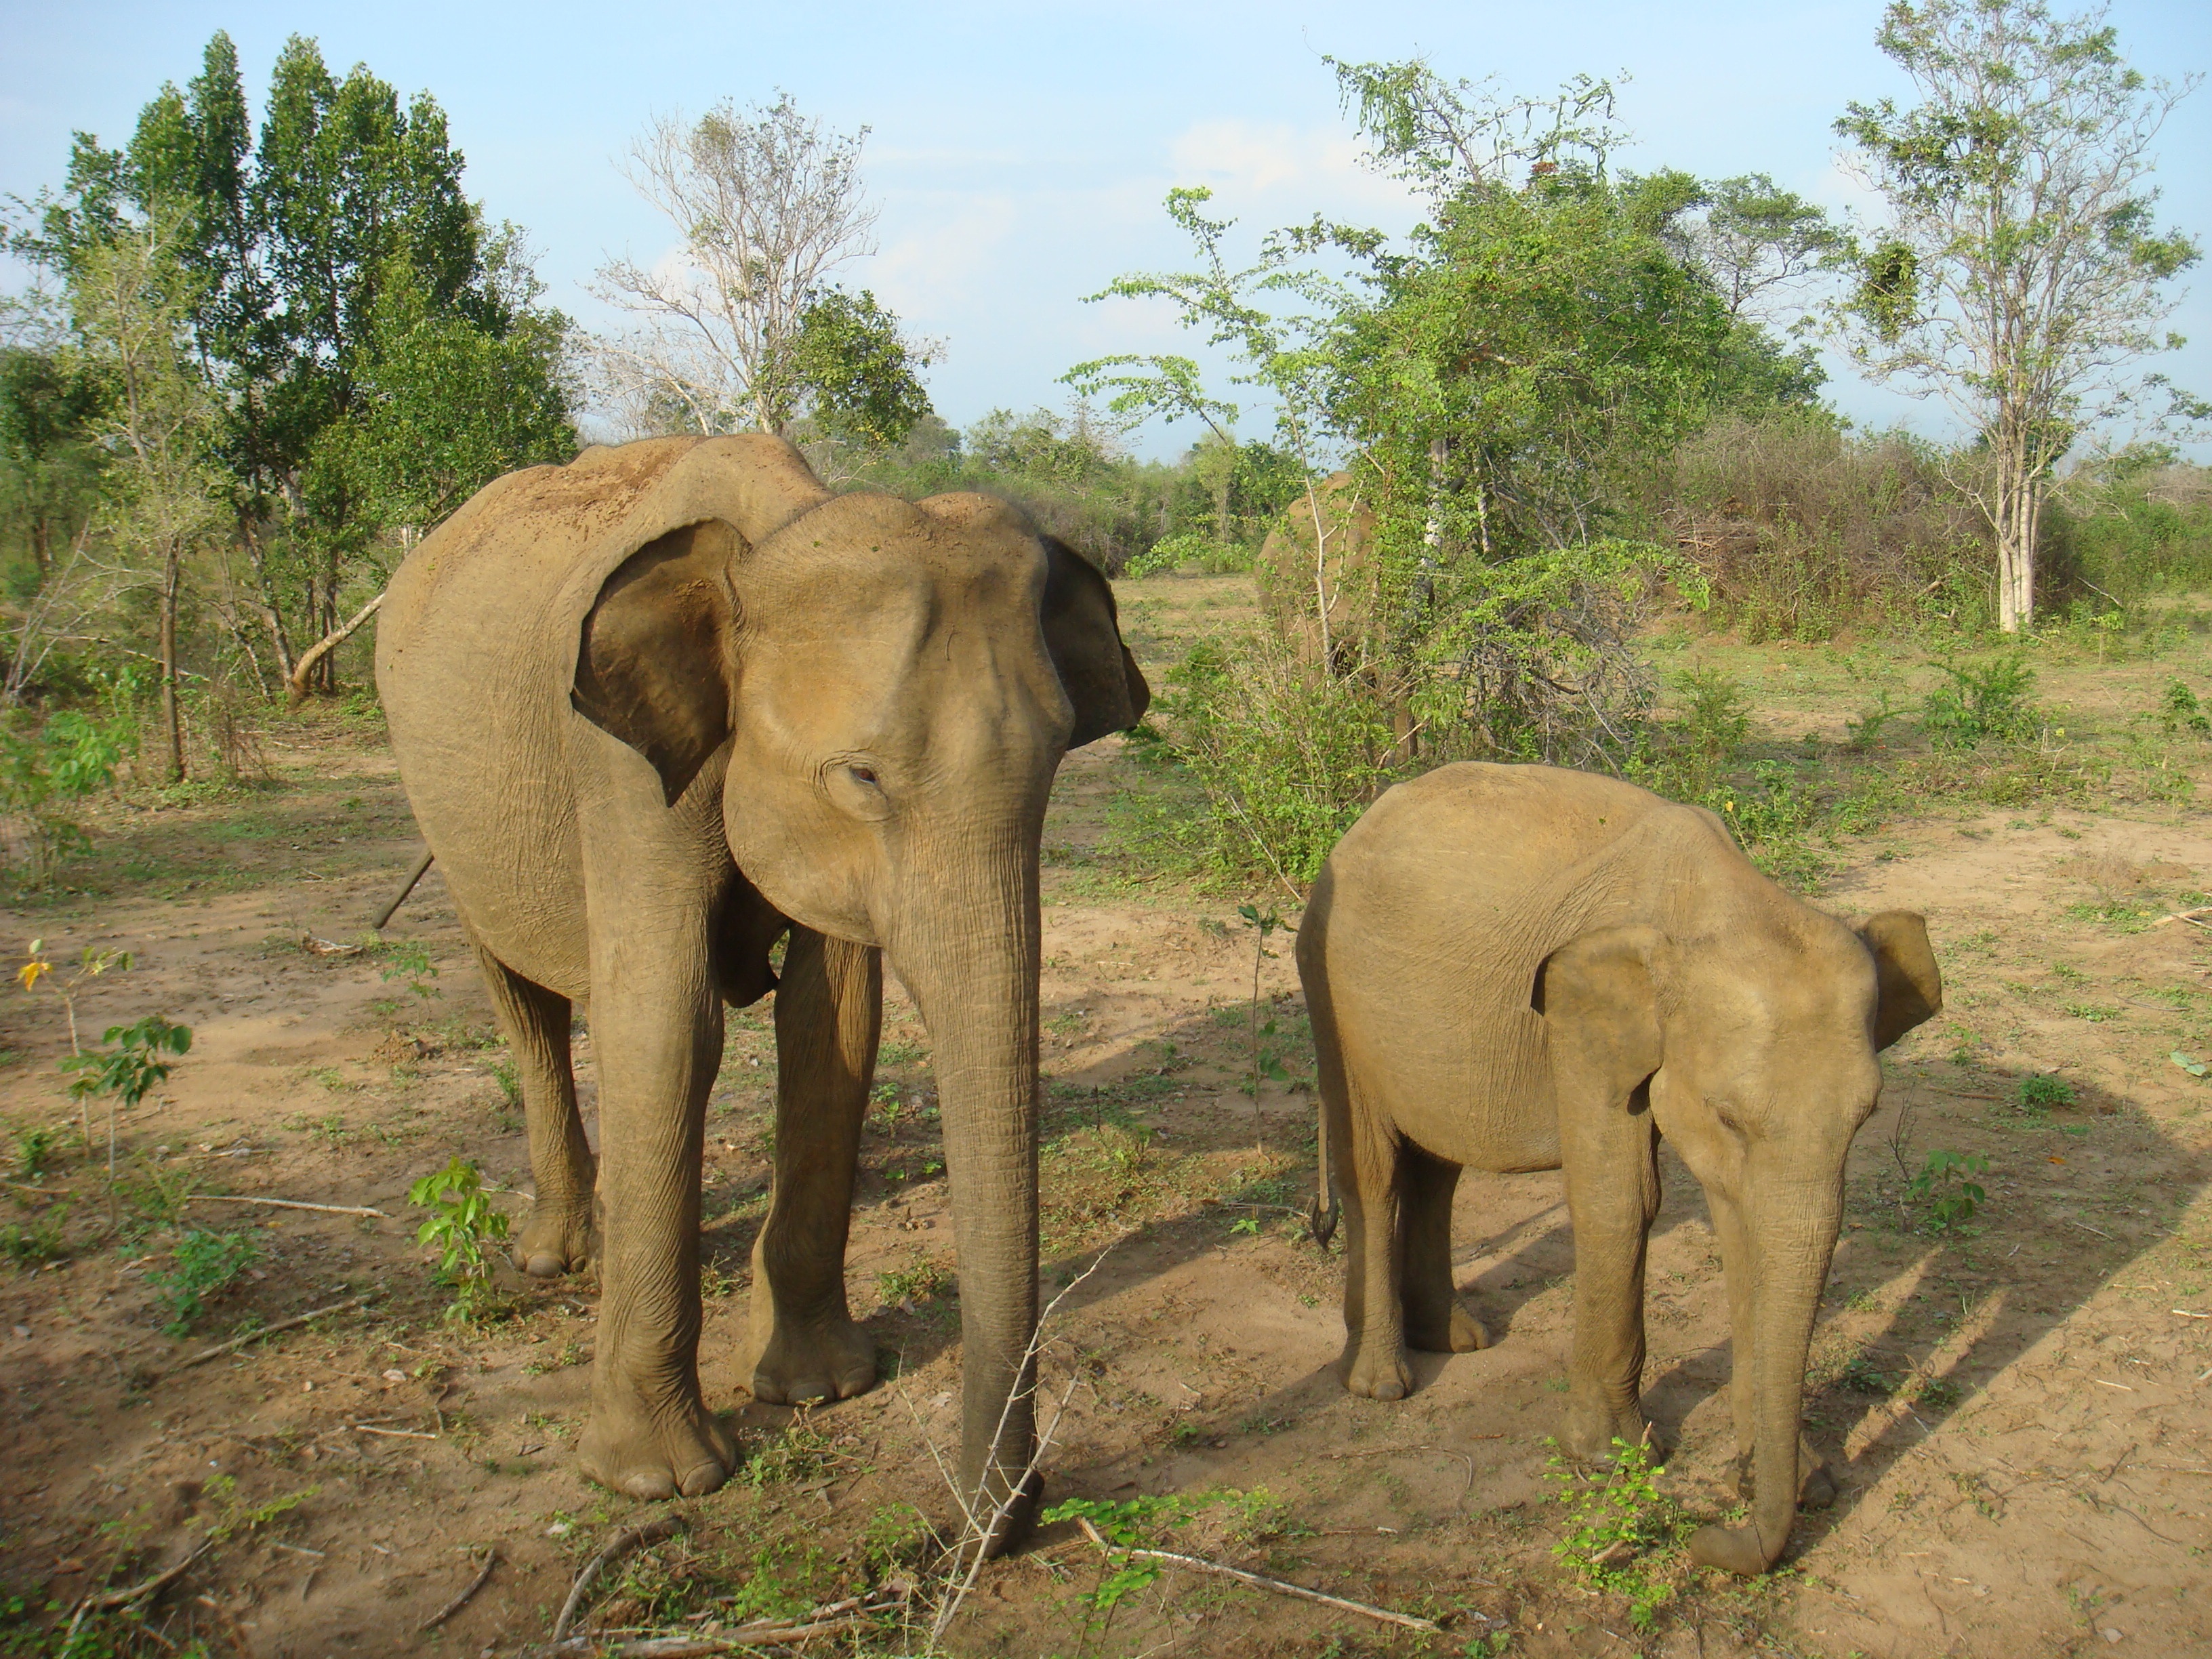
(1791,1228)
(968,951)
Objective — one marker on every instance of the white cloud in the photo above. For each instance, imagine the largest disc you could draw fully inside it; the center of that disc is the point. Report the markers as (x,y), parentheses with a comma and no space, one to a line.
(1317,168)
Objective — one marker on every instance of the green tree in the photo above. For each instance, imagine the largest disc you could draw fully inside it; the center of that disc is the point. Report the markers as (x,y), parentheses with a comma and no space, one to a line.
(2020,275)
(48,404)
(852,372)
(133,302)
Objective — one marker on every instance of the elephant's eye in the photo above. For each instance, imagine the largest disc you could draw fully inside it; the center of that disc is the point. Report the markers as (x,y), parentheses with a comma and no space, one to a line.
(865,775)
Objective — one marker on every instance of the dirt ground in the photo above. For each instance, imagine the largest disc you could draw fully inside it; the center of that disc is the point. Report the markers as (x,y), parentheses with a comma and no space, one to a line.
(2018,1410)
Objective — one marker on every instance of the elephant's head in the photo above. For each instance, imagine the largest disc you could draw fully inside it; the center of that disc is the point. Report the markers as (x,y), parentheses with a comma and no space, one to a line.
(1753,1049)
(893,684)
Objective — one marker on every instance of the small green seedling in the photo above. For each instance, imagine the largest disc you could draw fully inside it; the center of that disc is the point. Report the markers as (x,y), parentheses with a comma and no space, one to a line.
(1946,1185)
(124,1068)
(204,1265)
(1616,1518)
(1266,1062)
(462,1220)
(2039,1096)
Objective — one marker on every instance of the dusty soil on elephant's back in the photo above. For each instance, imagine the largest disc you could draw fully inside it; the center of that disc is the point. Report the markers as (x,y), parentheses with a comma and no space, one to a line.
(2018,1410)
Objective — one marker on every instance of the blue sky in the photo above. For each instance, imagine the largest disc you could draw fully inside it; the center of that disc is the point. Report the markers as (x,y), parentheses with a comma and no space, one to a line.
(1019,152)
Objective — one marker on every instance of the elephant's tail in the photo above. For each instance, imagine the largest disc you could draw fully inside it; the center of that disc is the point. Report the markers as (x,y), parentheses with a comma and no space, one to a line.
(1321,1218)
(406,887)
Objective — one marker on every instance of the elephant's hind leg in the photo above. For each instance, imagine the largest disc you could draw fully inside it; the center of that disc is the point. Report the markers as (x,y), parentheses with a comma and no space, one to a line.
(1435,1320)
(558,1237)
(829,1015)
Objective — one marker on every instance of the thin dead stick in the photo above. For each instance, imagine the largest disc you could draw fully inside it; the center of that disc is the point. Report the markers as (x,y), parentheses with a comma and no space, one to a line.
(222,1348)
(1199,1564)
(421,865)
(852,1613)
(620,1545)
(983,1533)
(443,1613)
(396,1434)
(123,1598)
(285,1204)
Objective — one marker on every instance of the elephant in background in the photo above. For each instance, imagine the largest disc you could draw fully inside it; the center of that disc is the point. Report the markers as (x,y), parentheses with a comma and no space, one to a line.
(656,709)
(1518,968)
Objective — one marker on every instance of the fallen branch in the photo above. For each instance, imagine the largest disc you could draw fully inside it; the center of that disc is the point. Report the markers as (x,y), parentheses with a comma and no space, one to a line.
(285,1204)
(396,1434)
(1199,1564)
(222,1348)
(2188,916)
(835,1619)
(324,947)
(461,1600)
(296,682)
(123,1598)
(620,1545)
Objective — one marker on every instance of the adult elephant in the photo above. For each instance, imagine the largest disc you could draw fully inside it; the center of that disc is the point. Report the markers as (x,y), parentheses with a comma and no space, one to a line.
(653,709)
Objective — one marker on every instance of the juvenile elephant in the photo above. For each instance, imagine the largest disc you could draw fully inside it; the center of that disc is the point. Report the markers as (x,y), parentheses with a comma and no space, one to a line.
(1515,968)
(654,709)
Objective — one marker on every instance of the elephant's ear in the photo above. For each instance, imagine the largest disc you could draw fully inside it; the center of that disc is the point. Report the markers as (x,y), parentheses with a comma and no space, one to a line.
(654,666)
(1083,632)
(1600,999)
(1911,984)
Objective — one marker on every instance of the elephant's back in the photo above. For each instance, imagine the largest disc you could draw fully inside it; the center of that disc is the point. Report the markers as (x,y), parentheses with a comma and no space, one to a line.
(1442,902)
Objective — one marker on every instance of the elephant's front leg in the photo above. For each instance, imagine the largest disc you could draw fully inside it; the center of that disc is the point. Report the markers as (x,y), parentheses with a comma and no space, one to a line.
(657,1023)
(829,1015)
(1611,1160)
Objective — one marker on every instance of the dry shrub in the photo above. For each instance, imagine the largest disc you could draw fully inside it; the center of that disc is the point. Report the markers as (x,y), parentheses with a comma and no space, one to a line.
(1803,530)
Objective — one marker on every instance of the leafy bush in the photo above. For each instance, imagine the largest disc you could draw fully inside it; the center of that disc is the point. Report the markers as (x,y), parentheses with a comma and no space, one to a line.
(462,1220)
(2038,1096)
(1614,1518)
(43,770)
(1991,704)
(205,1265)
(1288,758)
(1946,1185)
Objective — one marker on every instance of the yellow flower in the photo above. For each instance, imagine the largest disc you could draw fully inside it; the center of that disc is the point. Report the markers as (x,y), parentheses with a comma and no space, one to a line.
(32,971)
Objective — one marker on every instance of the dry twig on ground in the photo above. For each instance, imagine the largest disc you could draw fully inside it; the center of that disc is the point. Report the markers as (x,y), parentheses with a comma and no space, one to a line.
(1281,1587)
(620,1545)
(491,1560)
(222,1348)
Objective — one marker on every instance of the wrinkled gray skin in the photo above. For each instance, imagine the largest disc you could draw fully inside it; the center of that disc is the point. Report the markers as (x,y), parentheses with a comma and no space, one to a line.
(1515,968)
(653,710)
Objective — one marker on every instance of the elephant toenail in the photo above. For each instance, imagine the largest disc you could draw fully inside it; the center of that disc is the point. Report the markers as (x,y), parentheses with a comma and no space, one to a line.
(649,1484)
(706,1478)
(545,1265)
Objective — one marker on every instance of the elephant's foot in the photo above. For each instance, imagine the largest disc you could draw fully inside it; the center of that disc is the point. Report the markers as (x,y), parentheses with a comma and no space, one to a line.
(834,1360)
(556,1240)
(1816,1487)
(1593,1427)
(1732,1549)
(644,1452)
(1459,1332)
(1379,1372)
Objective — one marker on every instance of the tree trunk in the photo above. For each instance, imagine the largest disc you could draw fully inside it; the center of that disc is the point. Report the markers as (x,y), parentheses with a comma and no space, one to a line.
(2019,504)
(172,580)
(265,591)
